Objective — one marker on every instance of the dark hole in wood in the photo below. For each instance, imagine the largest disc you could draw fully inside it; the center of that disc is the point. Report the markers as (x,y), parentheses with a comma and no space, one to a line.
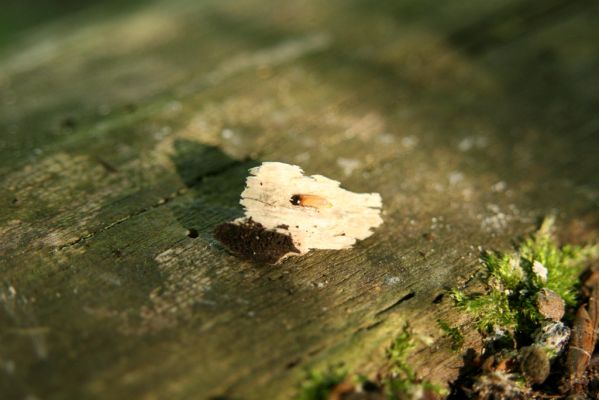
(68,123)
(438,298)
(192,233)
(370,386)
(406,297)
(292,363)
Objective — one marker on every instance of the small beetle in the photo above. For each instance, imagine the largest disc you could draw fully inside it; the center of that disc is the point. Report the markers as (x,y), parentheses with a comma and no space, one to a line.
(310,200)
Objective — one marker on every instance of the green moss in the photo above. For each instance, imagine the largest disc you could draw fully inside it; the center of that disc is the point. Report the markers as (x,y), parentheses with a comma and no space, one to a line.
(457,339)
(398,352)
(564,264)
(399,380)
(490,310)
(318,384)
(402,381)
(509,303)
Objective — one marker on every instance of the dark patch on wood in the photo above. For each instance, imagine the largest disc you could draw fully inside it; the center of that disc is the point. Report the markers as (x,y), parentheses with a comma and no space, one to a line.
(293,363)
(396,304)
(196,161)
(374,325)
(315,351)
(106,165)
(192,233)
(69,123)
(438,298)
(251,241)
(428,236)
(370,326)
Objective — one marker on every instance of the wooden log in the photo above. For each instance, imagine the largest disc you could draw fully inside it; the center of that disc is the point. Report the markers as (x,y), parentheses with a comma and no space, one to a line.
(125,139)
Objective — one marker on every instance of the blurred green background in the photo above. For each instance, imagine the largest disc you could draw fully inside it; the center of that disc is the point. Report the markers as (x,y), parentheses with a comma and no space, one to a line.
(19,16)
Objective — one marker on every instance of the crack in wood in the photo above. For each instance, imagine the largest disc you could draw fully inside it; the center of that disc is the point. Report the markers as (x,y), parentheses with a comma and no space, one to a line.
(395,305)
(370,326)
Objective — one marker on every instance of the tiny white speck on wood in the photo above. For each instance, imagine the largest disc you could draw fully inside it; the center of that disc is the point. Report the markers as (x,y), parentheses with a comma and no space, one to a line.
(311,212)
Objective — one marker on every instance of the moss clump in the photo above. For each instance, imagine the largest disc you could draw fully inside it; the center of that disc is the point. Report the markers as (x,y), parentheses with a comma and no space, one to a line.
(457,339)
(402,382)
(564,264)
(515,279)
(396,380)
(318,384)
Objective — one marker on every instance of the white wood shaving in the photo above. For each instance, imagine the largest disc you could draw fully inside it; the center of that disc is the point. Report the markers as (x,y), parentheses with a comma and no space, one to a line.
(349,217)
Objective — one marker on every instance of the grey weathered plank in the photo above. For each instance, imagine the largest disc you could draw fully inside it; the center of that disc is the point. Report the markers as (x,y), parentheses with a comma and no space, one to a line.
(120,134)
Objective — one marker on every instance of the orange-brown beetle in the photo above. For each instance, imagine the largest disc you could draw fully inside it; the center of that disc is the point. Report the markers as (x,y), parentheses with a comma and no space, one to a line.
(310,200)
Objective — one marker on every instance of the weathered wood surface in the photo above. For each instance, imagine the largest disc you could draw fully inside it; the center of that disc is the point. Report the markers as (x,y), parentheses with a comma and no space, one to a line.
(122,130)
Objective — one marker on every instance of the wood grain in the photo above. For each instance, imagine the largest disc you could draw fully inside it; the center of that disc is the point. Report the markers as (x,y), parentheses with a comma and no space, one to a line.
(119,135)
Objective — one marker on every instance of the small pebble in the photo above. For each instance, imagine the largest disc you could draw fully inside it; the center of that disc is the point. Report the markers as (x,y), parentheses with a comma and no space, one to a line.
(553,336)
(534,364)
(550,304)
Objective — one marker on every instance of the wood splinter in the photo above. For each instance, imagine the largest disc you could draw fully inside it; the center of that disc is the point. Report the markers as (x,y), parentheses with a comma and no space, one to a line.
(582,343)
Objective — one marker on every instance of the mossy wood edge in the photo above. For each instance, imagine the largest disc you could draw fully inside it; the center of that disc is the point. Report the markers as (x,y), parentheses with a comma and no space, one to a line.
(126,140)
